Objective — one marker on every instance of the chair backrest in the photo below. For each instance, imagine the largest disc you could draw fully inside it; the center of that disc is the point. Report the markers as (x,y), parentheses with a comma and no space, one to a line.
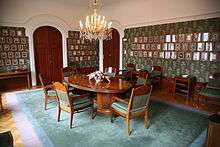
(142,79)
(156,71)
(42,84)
(214,81)
(62,94)
(131,67)
(140,97)
(67,71)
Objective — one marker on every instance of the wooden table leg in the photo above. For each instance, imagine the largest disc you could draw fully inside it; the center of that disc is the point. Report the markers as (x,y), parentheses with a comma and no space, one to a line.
(104,102)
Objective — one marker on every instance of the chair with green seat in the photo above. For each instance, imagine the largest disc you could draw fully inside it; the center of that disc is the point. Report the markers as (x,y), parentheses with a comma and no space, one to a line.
(155,76)
(71,103)
(136,106)
(49,92)
(212,89)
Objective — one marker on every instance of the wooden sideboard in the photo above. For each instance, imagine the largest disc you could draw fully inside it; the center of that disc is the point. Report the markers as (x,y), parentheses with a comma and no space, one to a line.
(15,75)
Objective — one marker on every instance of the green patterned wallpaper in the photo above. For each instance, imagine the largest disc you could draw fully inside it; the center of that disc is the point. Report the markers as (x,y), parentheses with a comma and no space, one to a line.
(82,52)
(195,56)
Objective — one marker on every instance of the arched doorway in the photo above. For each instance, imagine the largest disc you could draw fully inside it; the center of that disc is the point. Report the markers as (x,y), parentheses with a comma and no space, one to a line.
(111,50)
(48,53)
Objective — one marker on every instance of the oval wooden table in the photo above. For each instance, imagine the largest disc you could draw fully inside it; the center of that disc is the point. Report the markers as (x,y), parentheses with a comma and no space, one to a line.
(105,90)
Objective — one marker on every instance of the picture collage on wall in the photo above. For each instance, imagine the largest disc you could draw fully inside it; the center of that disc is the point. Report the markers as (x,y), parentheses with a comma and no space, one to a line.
(202,46)
(14,49)
(81,49)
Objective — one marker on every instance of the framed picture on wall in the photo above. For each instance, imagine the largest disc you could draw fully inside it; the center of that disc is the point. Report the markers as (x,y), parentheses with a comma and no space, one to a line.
(143,46)
(155,54)
(192,46)
(213,56)
(215,36)
(131,53)
(156,39)
(188,56)
(153,46)
(150,39)
(136,53)
(197,37)
(165,46)
(185,46)
(196,56)
(173,55)
(168,38)
(2,40)
(188,37)
(205,36)
(174,38)
(200,46)
(147,46)
(162,38)
(145,53)
(204,56)
(208,46)
(14,61)
(1,47)
(135,40)
(217,46)
(167,55)
(1,62)
(8,62)
(140,54)
(158,46)
(161,54)
(145,39)
(150,54)
(180,55)
(181,37)
(177,46)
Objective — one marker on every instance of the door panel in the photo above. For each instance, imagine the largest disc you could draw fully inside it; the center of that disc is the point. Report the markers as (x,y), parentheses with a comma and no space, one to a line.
(48,53)
(111,50)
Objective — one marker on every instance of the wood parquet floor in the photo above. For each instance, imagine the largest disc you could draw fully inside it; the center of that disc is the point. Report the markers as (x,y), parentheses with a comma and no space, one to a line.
(7,121)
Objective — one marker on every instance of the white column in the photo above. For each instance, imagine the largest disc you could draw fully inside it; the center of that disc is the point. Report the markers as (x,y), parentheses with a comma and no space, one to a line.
(101,57)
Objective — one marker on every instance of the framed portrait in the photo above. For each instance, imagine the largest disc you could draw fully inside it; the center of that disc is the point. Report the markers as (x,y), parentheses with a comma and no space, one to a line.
(13,47)
(136,53)
(1,62)
(177,46)
(20,33)
(167,55)
(173,55)
(24,55)
(147,46)
(180,55)
(23,40)
(188,56)
(196,56)
(184,46)
(158,46)
(213,56)
(155,54)
(5,32)
(1,47)
(69,53)
(140,39)
(217,46)
(165,46)
(168,38)
(78,41)
(9,40)
(81,58)
(188,37)
(205,36)
(200,46)
(2,40)
(150,39)
(150,54)
(11,55)
(145,39)
(192,46)
(17,55)
(6,47)
(174,38)
(162,38)
(143,46)
(181,37)
(204,56)
(215,36)
(140,53)
(208,46)
(8,62)
(21,61)
(197,37)
(156,39)
(161,54)
(135,40)
(3,55)
(131,53)
(14,61)
(145,53)
(12,33)
(77,59)
(153,46)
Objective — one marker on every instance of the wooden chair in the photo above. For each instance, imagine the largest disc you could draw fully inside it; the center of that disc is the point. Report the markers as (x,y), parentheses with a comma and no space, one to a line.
(155,76)
(49,92)
(129,72)
(71,103)
(110,71)
(135,107)
(212,89)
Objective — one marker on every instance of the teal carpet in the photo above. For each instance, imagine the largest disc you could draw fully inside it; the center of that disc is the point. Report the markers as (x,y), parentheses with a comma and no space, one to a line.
(169,126)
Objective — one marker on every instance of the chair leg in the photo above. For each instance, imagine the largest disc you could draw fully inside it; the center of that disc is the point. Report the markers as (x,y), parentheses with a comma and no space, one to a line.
(112,117)
(93,112)
(128,126)
(146,119)
(58,116)
(71,120)
(45,105)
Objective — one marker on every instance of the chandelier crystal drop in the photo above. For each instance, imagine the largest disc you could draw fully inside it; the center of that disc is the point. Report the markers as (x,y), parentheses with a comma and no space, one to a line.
(95,26)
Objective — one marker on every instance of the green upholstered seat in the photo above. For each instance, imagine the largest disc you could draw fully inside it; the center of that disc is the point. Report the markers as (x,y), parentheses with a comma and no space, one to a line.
(210,92)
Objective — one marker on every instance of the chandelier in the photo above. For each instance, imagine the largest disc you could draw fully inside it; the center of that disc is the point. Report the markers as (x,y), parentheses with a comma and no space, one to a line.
(95,27)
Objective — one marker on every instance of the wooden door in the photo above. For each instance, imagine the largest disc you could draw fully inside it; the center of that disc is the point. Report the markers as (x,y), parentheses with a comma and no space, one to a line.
(111,50)
(48,53)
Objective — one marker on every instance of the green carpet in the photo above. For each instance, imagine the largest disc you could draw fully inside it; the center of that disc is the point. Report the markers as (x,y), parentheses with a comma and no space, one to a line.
(169,126)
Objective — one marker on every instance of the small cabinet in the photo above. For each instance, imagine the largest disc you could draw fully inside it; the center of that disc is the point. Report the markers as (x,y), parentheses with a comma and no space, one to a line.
(184,86)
